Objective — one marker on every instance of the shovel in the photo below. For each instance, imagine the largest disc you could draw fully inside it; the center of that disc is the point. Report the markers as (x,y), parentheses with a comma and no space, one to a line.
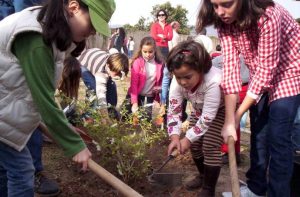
(102,173)
(166,179)
(235,186)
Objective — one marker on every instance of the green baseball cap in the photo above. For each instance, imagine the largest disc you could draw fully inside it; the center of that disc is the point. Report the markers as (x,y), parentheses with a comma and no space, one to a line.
(100,12)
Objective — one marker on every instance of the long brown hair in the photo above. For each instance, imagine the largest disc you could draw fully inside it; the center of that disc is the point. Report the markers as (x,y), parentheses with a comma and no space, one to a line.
(250,12)
(53,19)
(151,42)
(69,84)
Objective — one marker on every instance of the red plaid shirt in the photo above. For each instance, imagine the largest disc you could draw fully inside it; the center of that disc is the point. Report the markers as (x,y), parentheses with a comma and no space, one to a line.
(271,50)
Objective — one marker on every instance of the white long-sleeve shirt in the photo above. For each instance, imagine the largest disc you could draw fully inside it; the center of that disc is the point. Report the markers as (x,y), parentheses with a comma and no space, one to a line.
(206,101)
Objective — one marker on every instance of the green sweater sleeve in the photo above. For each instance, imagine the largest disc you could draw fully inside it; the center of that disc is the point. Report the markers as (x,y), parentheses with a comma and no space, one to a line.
(37,62)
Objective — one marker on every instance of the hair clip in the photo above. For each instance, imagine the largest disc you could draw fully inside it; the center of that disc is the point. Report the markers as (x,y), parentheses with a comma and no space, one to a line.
(186,52)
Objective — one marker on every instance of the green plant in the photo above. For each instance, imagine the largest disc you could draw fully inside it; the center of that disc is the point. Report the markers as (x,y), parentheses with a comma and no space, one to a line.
(123,144)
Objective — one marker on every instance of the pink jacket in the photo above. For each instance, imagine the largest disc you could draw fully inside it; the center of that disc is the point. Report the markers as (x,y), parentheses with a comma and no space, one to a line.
(138,78)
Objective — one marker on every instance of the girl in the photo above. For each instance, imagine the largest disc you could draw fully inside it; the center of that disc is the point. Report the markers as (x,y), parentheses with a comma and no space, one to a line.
(120,40)
(269,39)
(197,81)
(146,76)
(130,46)
(162,32)
(32,46)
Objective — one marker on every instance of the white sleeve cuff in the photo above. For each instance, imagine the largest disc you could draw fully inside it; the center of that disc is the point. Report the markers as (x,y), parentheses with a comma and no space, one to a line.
(252,95)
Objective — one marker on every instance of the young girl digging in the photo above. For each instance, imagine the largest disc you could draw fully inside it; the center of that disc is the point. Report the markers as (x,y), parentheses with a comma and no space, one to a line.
(146,77)
(269,39)
(32,48)
(198,82)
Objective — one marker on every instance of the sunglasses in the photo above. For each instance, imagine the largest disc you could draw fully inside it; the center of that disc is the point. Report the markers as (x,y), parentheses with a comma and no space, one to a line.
(161,15)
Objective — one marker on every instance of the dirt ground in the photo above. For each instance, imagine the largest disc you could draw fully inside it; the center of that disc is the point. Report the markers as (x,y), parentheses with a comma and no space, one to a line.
(74,183)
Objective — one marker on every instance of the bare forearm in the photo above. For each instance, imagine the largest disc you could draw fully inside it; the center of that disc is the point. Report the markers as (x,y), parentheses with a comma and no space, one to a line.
(230,107)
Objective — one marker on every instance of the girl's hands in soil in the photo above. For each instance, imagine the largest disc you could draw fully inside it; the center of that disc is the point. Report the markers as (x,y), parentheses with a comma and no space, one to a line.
(185,145)
(175,144)
(229,129)
(82,158)
(134,108)
(156,89)
(162,110)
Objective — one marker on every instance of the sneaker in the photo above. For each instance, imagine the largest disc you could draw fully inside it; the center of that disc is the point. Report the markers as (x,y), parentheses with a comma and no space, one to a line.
(245,192)
(44,186)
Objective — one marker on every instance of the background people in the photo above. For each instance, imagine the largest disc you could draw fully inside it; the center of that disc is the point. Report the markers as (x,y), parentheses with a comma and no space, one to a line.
(162,32)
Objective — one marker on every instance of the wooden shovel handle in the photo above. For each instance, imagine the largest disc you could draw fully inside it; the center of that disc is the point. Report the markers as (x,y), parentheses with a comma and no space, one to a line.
(112,180)
(235,186)
(102,173)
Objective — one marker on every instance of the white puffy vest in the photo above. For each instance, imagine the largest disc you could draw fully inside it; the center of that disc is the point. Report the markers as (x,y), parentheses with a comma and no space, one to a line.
(18,114)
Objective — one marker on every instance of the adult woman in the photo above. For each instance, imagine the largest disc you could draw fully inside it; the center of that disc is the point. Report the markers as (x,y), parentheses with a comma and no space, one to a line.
(162,32)
(269,39)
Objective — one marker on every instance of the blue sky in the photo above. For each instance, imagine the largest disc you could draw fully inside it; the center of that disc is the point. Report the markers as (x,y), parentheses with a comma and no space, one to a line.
(129,11)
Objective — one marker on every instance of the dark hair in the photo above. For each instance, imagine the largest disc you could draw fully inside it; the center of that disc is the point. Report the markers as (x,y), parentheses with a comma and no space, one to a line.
(164,11)
(71,74)
(189,53)
(218,48)
(53,19)
(148,41)
(118,62)
(122,32)
(250,12)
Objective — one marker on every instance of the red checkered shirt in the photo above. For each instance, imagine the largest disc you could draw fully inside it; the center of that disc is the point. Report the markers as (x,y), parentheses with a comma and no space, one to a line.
(271,50)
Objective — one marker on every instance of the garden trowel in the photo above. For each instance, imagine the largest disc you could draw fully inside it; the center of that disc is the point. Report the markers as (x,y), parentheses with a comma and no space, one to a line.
(166,179)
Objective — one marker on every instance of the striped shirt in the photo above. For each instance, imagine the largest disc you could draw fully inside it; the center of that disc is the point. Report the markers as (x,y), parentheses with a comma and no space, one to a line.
(94,60)
(271,50)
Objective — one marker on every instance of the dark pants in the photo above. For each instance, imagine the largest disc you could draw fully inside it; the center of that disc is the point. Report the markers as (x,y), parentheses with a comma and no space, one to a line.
(111,90)
(271,146)
(164,51)
(90,82)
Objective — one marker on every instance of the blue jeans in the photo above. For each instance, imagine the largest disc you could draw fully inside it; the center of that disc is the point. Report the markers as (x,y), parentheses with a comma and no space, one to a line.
(164,51)
(130,53)
(271,146)
(35,146)
(296,132)
(16,172)
(8,7)
(90,82)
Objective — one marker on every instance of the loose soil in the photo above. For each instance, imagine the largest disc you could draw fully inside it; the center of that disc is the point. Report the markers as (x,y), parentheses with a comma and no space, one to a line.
(74,183)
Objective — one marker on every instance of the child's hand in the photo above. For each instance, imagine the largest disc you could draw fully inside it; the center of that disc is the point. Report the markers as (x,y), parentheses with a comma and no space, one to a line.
(134,108)
(162,110)
(175,143)
(82,158)
(156,89)
(185,145)
(229,130)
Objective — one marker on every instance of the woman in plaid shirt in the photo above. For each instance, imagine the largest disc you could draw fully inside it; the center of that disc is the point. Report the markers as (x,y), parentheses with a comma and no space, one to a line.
(269,39)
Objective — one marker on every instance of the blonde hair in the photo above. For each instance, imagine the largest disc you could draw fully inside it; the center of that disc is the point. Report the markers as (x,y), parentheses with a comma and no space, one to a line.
(118,63)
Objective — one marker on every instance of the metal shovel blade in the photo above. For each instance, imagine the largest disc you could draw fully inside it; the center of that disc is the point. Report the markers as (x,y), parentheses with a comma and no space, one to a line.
(166,179)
